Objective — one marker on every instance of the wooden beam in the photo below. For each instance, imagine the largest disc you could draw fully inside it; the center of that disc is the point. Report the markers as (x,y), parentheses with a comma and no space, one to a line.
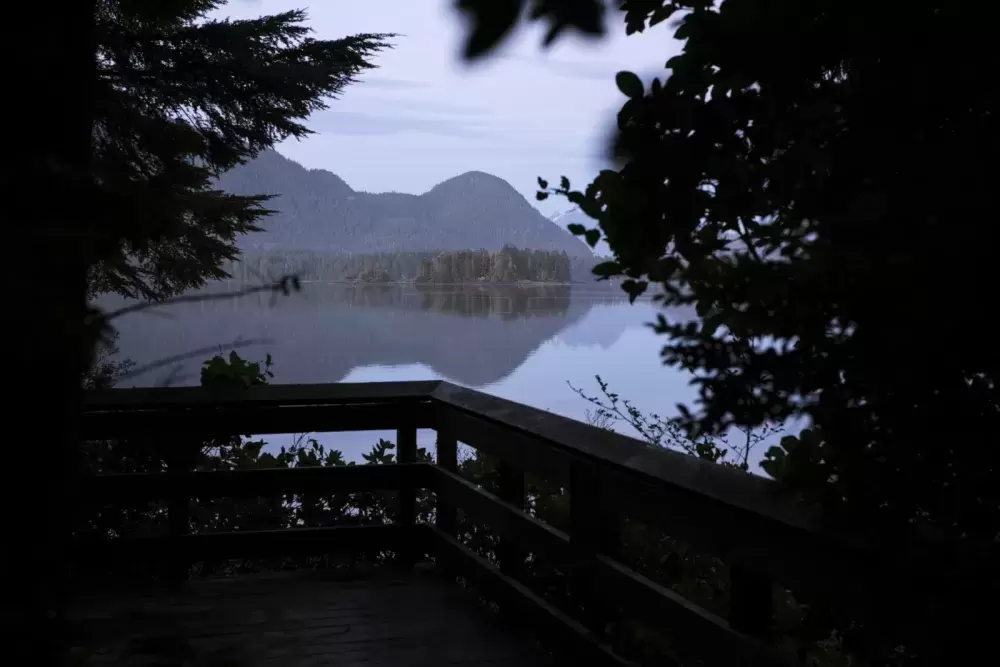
(745,493)
(510,552)
(751,602)
(506,519)
(256,420)
(260,482)
(756,545)
(520,448)
(744,519)
(748,520)
(696,628)
(516,600)
(445,509)
(594,529)
(263,395)
(406,454)
(180,461)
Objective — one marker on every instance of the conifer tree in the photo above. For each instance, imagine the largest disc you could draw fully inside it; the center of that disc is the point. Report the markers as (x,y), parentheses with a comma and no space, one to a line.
(181,99)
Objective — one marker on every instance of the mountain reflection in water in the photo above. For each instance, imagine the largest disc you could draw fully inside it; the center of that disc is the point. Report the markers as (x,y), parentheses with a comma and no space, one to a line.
(475,335)
(522,343)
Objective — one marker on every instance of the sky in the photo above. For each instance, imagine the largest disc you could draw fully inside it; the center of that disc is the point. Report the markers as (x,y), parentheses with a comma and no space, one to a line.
(424,116)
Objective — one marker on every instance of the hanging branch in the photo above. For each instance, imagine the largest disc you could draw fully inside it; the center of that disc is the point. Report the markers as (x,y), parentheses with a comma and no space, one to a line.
(284,285)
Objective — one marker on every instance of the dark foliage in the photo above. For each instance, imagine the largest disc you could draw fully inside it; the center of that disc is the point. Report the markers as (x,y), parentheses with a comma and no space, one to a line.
(818,211)
(107,368)
(813,178)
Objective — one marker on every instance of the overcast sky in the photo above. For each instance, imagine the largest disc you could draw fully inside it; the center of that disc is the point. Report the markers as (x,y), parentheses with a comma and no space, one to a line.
(423,116)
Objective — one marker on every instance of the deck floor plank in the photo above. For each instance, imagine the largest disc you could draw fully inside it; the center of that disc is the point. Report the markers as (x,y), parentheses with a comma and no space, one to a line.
(300,619)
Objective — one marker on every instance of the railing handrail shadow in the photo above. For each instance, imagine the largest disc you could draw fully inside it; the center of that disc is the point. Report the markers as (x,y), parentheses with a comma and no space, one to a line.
(762,534)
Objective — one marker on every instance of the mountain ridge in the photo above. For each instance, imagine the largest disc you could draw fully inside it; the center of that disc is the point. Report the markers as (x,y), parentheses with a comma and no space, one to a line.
(315,209)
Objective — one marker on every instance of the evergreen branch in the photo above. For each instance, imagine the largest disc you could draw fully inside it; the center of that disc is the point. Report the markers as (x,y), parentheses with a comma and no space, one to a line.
(285,285)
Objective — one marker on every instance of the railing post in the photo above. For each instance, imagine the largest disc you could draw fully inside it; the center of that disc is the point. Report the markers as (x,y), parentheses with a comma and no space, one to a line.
(594,529)
(179,458)
(406,448)
(751,602)
(445,513)
(509,553)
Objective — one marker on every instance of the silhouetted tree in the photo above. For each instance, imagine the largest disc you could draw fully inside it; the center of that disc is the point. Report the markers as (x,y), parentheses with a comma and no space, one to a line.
(48,199)
(825,204)
(129,109)
(811,177)
(183,98)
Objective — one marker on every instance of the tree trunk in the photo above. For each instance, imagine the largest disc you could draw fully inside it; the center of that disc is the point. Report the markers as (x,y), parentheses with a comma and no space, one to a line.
(50,218)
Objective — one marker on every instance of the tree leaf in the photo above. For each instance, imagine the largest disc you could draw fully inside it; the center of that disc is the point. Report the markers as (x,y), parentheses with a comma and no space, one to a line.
(634,288)
(629,84)
(607,269)
(491,21)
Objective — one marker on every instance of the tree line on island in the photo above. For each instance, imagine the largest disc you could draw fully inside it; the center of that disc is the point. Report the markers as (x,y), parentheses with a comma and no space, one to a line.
(507,265)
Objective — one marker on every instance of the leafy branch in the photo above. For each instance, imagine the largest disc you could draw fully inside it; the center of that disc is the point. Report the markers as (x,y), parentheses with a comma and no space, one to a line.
(611,408)
(284,285)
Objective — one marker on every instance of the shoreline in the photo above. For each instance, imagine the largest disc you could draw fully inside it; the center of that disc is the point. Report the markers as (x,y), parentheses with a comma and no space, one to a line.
(412,283)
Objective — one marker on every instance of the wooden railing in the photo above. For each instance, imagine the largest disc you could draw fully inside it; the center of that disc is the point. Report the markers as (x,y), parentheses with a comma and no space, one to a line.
(745,520)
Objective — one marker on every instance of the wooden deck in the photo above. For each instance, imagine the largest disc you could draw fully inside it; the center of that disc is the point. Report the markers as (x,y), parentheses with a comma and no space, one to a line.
(300,619)
(593,603)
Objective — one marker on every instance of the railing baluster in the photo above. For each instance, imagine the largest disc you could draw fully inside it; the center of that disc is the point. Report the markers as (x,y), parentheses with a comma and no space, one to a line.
(751,602)
(594,529)
(445,517)
(594,520)
(406,448)
(179,459)
(510,554)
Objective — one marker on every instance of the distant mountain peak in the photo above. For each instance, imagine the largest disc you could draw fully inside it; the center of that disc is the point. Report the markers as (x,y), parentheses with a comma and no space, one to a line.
(477,175)
(475,180)
(316,210)
(277,174)
(332,179)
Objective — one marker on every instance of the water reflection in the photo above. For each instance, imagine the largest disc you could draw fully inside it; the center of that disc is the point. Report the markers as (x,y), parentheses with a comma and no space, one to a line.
(474,335)
(527,344)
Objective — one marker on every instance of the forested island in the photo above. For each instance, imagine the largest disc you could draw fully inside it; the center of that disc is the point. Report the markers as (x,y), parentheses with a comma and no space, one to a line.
(507,265)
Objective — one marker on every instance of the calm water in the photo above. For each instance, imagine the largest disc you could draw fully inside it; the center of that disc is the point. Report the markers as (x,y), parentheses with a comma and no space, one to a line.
(526,344)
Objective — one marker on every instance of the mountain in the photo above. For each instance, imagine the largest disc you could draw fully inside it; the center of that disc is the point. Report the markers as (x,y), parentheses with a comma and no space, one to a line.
(576,216)
(316,210)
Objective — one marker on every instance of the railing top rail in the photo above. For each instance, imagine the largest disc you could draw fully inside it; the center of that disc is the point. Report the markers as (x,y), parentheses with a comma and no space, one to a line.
(732,487)
(629,455)
(770,511)
(755,496)
(262,395)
